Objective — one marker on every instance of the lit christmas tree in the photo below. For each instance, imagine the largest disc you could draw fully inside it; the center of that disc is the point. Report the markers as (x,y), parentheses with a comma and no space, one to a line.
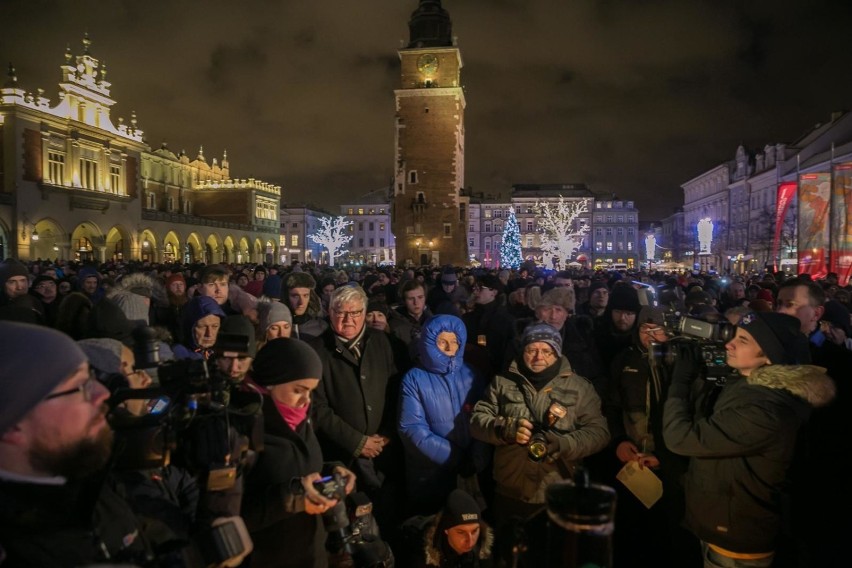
(510,247)
(334,235)
(562,229)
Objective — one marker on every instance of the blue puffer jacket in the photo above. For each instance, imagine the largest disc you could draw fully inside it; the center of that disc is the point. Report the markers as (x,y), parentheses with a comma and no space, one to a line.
(436,401)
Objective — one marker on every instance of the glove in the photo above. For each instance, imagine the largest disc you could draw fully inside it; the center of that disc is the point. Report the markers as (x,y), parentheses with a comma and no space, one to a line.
(553,444)
(506,428)
(687,367)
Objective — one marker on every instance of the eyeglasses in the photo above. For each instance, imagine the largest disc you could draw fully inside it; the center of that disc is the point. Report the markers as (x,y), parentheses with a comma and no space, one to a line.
(539,352)
(481,287)
(354,314)
(87,388)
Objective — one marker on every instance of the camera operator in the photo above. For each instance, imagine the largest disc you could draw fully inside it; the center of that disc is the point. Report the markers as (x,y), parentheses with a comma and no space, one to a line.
(281,503)
(741,451)
(542,417)
(56,509)
(633,406)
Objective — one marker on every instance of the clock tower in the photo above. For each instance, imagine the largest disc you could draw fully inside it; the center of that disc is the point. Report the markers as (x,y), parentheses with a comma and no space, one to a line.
(429,212)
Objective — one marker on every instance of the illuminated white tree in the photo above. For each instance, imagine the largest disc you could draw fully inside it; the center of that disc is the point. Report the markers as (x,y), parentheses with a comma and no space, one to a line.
(562,229)
(334,235)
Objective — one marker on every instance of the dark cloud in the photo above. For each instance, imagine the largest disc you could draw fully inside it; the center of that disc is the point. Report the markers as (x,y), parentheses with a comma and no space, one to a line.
(633,97)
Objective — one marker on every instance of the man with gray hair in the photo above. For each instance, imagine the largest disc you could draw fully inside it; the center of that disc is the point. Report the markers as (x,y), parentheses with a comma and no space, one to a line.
(355,405)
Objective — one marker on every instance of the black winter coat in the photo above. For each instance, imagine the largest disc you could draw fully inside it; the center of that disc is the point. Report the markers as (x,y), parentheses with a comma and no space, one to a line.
(69,525)
(273,507)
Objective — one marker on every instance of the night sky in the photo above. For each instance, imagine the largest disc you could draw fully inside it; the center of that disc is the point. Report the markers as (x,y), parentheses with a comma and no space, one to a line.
(632,97)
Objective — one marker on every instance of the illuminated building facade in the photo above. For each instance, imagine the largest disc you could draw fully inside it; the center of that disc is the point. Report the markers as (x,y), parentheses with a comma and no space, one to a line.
(76,183)
(372,239)
(429,212)
(298,221)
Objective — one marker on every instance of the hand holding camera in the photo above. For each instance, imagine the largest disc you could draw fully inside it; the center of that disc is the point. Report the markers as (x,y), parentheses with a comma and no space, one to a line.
(321,494)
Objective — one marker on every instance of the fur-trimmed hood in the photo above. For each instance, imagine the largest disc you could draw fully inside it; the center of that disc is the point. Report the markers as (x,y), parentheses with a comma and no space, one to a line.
(433,554)
(808,382)
(144,285)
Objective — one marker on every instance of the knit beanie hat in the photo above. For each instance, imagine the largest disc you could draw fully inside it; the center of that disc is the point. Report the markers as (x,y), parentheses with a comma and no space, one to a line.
(284,360)
(133,305)
(238,325)
(378,306)
(104,354)
(12,267)
(597,285)
(271,312)
(779,336)
(26,375)
(448,276)
(624,298)
(461,509)
(175,277)
(563,296)
(545,333)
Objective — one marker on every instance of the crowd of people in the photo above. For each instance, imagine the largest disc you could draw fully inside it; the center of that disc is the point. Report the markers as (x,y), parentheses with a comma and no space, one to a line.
(146,408)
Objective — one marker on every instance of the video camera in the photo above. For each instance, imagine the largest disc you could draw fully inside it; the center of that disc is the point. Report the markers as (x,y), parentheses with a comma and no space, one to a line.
(191,393)
(706,338)
(353,535)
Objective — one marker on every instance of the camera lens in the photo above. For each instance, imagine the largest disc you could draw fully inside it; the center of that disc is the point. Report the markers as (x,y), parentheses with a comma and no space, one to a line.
(537,448)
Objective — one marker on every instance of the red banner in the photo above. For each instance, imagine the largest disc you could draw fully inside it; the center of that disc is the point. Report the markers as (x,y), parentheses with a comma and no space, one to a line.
(814,203)
(786,194)
(840,259)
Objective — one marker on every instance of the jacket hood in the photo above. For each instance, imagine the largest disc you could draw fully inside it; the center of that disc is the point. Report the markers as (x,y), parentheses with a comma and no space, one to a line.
(84,273)
(433,359)
(143,285)
(808,382)
(433,554)
(197,308)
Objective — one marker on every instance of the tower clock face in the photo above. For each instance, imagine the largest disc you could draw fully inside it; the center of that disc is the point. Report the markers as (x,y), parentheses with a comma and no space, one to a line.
(427,63)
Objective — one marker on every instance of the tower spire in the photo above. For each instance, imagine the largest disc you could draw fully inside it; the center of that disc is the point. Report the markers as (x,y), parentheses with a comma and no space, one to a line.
(430,26)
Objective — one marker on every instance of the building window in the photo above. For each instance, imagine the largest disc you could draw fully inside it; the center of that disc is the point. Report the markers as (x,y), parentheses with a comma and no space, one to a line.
(372,243)
(629,245)
(599,246)
(529,241)
(360,211)
(88,173)
(609,232)
(488,213)
(294,240)
(382,243)
(488,227)
(619,231)
(609,218)
(498,226)
(381,226)
(372,226)
(282,240)
(609,246)
(598,232)
(152,201)
(115,179)
(498,212)
(381,211)
(471,228)
(171,203)
(448,230)
(529,226)
(187,207)
(470,242)
(361,243)
(620,218)
(351,211)
(620,245)
(295,225)
(412,176)
(487,244)
(361,226)
(56,167)
(629,231)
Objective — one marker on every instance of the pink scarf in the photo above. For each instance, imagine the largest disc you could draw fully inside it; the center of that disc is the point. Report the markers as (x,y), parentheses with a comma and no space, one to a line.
(292,416)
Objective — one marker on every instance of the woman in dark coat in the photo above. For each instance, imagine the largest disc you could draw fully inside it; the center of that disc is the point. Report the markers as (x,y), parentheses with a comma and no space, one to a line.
(281,504)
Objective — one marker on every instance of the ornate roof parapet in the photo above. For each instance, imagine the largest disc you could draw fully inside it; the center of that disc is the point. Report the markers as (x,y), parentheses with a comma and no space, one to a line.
(249,183)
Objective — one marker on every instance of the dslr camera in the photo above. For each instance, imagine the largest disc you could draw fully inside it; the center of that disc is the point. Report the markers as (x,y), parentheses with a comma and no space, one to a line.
(353,535)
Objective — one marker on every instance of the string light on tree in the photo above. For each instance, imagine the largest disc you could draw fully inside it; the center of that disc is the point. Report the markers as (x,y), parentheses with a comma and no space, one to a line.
(334,235)
(510,246)
(562,229)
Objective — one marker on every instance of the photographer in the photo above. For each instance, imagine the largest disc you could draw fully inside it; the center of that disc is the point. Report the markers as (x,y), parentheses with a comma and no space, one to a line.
(56,509)
(281,503)
(540,400)
(741,445)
